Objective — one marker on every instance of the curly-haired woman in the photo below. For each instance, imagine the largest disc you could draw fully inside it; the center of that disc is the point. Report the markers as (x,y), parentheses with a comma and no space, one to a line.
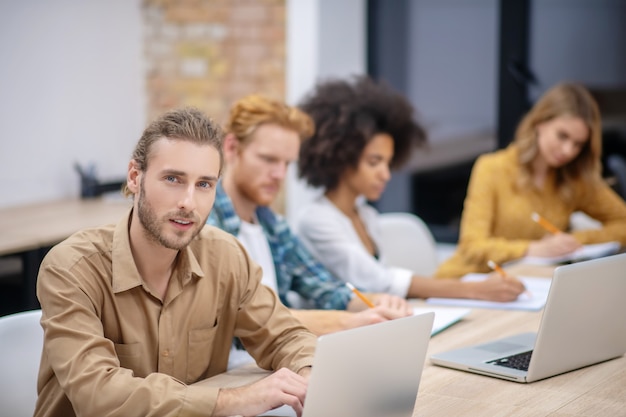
(363,129)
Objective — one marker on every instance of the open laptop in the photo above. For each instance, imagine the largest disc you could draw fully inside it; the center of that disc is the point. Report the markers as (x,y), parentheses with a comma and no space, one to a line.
(369,371)
(582,324)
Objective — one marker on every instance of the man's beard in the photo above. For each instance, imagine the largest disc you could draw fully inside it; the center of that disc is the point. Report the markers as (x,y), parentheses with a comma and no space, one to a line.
(151,224)
(253,194)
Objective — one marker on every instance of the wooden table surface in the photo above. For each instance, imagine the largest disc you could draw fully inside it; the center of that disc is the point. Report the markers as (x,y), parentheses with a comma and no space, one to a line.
(28,231)
(598,390)
(38,225)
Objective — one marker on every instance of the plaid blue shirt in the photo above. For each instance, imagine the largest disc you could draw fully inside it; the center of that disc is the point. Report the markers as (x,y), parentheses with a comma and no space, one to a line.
(296,269)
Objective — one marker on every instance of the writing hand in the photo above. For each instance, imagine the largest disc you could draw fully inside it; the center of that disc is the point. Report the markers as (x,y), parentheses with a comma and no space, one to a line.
(397,305)
(498,288)
(553,245)
(378,314)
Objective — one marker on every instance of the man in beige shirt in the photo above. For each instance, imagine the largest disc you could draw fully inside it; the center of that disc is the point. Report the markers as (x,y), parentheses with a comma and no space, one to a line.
(135,313)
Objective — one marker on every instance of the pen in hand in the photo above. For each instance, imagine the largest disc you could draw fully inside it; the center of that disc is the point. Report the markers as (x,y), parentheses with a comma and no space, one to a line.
(360,295)
(497,268)
(545,223)
(503,273)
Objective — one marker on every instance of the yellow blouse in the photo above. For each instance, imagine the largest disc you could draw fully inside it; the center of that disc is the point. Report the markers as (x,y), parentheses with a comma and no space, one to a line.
(496,221)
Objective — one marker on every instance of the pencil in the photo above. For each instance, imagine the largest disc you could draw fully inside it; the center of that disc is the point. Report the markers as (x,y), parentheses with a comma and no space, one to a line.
(360,295)
(497,268)
(544,223)
(503,273)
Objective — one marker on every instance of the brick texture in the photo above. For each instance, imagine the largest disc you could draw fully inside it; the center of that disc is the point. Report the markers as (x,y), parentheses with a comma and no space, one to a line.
(209,53)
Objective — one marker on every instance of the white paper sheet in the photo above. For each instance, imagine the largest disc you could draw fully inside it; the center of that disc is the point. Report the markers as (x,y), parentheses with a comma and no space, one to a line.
(444,316)
(592,251)
(533,300)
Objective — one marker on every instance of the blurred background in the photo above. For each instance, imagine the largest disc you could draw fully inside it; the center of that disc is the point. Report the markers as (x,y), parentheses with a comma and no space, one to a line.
(79,79)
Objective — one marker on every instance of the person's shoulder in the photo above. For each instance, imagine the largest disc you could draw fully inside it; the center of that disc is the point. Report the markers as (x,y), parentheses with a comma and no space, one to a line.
(500,159)
(313,213)
(313,208)
(217,250)
(214,235)
(89,240)
(326,206)
(82,245)
(217,243)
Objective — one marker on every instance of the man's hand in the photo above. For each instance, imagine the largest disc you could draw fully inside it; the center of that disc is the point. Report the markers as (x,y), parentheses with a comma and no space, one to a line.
(398,305)
(392,302)
(280,388)
(305,372)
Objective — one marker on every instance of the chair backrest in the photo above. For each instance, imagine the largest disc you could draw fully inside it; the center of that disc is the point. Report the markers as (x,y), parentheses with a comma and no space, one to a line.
(407,242)
(617,165)
(21,341)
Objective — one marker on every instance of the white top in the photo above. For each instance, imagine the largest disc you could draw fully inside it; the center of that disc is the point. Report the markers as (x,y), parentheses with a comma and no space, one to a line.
(330,236)
(253,239)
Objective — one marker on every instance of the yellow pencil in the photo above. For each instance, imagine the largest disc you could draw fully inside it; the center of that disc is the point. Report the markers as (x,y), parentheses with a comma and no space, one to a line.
(503,273)
(360,295)
(497,268)
(544,223)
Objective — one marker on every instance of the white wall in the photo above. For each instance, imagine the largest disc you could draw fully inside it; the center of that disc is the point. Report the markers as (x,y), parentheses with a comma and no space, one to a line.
(72,90)
(72,82)
(72,85)
(325,38)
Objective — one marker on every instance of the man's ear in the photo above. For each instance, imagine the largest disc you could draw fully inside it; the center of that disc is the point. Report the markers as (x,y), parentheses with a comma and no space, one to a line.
(133,176)
(231,147)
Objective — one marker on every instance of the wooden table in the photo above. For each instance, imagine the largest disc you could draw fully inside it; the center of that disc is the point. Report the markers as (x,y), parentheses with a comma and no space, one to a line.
(30,230)
(598,390)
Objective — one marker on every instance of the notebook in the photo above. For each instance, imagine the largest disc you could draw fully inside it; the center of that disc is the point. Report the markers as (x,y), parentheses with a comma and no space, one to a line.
(369,371)
(582,324)
(532,300)
(586,252)
(444,316)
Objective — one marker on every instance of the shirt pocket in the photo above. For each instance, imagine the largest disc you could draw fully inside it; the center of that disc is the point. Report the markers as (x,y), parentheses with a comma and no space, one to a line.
(200,351)
(128,354)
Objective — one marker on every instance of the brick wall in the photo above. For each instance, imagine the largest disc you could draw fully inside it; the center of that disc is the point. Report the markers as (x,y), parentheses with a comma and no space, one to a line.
(209,53)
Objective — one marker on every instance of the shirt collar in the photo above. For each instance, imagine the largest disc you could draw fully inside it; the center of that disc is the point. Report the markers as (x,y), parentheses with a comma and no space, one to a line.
(123,268)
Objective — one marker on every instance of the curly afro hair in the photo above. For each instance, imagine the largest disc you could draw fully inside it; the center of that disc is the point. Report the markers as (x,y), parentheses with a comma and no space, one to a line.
(347,115)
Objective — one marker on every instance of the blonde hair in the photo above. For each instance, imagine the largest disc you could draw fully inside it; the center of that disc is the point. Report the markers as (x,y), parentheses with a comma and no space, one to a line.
(252,111)
(565,99)
(188,124)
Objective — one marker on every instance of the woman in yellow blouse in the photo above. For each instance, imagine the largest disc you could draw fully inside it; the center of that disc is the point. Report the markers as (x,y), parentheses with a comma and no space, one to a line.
(552,168)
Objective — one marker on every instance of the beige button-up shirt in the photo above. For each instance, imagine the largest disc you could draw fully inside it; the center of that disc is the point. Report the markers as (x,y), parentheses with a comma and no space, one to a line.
(112,348)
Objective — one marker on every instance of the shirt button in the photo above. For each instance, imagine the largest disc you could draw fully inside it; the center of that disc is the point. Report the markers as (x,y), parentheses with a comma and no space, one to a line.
(166,353)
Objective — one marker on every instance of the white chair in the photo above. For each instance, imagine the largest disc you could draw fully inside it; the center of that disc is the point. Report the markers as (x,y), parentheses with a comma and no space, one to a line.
(407,242)
(21,341)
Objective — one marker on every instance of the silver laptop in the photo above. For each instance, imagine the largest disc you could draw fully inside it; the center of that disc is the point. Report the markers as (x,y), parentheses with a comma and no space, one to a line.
(582,324)
(370,371)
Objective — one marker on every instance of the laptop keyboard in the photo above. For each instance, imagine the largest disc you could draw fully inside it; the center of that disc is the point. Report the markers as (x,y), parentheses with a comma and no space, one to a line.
(518,361)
